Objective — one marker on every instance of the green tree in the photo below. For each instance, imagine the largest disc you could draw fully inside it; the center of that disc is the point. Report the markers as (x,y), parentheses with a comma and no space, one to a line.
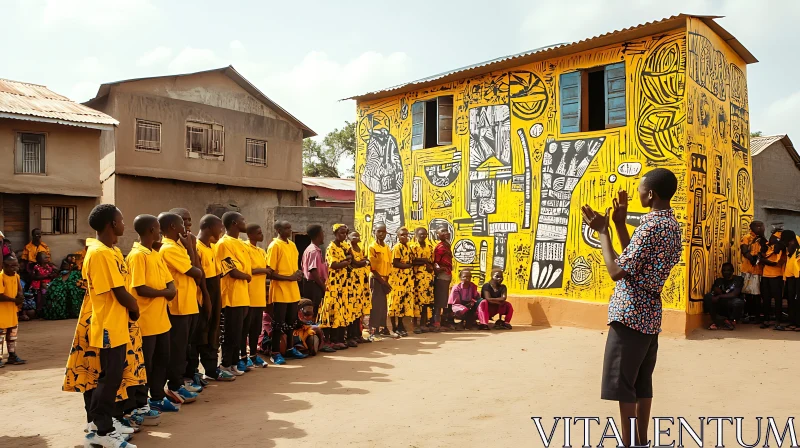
(337,148)
(755,134)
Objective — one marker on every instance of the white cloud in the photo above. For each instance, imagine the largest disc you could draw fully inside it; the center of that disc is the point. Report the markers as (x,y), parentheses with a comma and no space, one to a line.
(194,60)
(312,89)
(781,116)
(97,14)
(157,56)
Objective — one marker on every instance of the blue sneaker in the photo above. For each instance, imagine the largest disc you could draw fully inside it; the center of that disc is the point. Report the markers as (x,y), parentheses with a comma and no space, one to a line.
(164,405)
(188,397)
(198,379)
(241,366)
(148,416)
(278,360)
(191,386)
(294,353)
(259,362)
(250,365)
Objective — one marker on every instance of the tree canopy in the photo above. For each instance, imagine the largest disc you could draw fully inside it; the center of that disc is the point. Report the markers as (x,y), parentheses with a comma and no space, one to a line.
(337,148)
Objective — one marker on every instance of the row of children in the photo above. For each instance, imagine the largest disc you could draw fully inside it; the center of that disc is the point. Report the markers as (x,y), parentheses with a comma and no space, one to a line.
(771,271)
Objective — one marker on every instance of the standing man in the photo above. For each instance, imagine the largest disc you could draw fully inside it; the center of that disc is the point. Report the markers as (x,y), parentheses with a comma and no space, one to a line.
(284,292)
(634,309)
(315,270)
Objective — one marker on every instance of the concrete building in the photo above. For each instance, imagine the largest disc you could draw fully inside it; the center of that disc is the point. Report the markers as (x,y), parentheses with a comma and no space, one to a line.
(207,141)
(506,151)
(50,177)
(776,177)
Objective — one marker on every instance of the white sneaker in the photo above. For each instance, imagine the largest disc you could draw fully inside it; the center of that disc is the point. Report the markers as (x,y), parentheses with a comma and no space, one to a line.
(122,429)
(110,440)
(235,370)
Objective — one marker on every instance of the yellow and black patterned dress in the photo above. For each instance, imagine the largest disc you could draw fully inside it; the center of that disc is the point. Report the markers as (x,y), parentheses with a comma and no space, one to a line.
(358,285)
(83,364)
(400,300)
(423,280)
(333,311)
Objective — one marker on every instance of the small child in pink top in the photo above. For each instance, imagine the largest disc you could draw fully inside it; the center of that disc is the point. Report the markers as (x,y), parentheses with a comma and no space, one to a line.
(463,300)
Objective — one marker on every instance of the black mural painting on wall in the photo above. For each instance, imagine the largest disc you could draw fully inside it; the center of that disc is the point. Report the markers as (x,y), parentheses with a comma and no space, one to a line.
(383,171)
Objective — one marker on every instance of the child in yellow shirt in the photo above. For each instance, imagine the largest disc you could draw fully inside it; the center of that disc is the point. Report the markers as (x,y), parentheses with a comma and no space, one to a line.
(257,289)
(10,299)
(791,278)
(284,291)
(774,261)
(234,263)
(380,262)
(153,287)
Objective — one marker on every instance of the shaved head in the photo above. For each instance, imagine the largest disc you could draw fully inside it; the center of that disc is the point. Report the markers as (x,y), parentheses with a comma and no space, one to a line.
(143,223)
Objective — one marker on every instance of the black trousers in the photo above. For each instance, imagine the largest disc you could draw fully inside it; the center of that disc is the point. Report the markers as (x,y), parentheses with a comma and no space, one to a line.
(792,299)
(178,347)
(312,291)
(628,364)
(251,330)
(234,322)
(208,348)
(156,350)
(441,293)
(137,398)
(283,317)
(102,406)
(771,288)
(732,308)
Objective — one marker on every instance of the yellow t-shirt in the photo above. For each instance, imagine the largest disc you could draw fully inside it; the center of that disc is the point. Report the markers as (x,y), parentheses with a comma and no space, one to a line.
(380,258)
(232,254)
(148,269)
(755,248)
(9,287)
(773,271)
(104,269)
(179,263)
(30,251)
(207,259)
(257,287)
(792,269)
(283,258)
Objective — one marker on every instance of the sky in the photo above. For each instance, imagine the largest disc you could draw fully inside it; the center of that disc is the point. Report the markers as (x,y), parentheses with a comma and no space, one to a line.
(308,55)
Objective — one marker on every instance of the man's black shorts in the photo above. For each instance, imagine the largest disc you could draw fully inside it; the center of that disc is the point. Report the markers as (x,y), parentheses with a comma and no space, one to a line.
(628,364)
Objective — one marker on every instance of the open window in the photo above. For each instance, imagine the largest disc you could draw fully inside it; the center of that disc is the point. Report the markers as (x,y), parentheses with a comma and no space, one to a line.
(432,122)
(593,99)
(205,140)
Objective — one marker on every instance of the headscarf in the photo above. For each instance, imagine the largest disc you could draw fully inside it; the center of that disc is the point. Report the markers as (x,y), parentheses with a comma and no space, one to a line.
(337,227)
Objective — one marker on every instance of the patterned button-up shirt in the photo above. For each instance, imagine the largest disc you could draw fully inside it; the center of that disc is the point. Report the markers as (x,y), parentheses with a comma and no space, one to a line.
(655,248)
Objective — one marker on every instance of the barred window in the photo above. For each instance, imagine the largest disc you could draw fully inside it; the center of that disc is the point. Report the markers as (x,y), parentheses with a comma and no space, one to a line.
(256,152)
(58,220)
(148,136)
(203,139)
(30,154)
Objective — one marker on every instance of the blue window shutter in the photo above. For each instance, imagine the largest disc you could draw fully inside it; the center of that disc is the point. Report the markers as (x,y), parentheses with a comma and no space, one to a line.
(418,125)
(570,97)
(615,95)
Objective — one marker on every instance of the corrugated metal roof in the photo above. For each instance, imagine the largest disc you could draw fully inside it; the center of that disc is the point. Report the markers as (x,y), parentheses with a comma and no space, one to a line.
(330,182)
(237,77)
(25,101)
(759,144)
(552,51)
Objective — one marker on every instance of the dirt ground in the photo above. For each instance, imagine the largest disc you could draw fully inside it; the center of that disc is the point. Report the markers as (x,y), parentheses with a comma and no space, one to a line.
(453,389)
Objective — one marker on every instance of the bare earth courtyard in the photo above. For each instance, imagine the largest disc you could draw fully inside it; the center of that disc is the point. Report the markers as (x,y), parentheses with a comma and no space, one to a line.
(440,390)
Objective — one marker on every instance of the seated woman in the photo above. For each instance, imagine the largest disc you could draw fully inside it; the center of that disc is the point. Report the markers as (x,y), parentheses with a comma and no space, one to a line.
(725,303)
(307,336)
(493,302)
(65,293)
(463,300)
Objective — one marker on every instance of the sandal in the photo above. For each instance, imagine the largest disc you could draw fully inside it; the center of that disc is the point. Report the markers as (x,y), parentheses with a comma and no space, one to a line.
(483,327)
(780,328)
(508,326)
(713,327)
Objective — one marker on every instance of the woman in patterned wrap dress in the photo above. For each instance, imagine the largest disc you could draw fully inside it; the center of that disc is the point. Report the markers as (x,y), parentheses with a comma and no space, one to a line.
(401,279)
(333,311)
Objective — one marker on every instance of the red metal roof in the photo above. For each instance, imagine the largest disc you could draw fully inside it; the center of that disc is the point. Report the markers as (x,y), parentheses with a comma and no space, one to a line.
(33,102)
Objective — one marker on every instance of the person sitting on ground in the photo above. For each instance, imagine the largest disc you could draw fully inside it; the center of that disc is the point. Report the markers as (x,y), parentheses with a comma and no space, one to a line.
(725,303)
(42,273)
(65,293)
(493,302)
(306,336)
(463,300)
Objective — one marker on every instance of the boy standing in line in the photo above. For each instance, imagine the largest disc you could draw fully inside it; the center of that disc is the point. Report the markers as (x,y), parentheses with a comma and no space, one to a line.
(634,309)
(284,292)
(183,310)
(152,286)
(315,270)
(10,298)
(443,268)
(257,289)
(774,261)
(234,264)
(106,275)
(751,270)
(211,230)
(380,262)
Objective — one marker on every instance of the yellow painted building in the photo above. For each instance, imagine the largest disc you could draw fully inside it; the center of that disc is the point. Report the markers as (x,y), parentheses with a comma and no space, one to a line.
(505,153)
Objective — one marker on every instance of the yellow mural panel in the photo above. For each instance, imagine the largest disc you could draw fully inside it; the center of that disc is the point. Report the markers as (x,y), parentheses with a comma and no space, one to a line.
(720,166)
(511,183)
